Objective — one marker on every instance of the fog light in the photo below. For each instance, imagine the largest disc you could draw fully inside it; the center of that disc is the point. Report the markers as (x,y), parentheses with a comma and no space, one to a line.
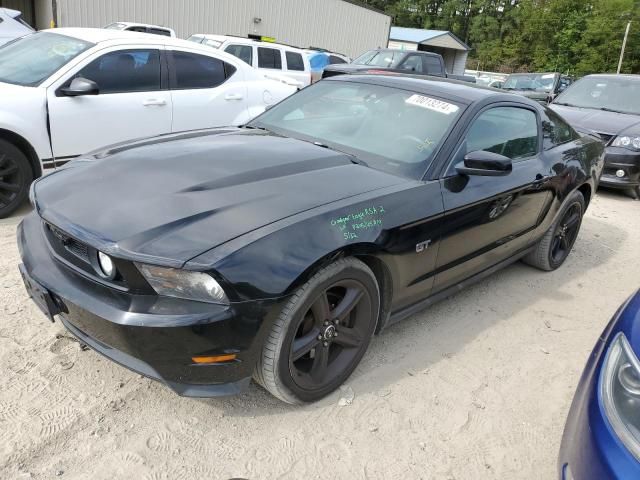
(619,173)
(106,265)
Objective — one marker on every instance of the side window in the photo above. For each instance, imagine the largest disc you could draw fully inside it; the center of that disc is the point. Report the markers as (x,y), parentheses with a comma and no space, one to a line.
(333,60)
(413,63)
(192,71)
(137,29)
(269,58)
(125,71)
(433,65)
(508,131)
(555,131)
(243,52)
(160,31)
(294,61)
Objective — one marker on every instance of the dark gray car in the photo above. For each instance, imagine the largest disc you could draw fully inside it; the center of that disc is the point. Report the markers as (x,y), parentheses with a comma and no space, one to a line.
(610,106)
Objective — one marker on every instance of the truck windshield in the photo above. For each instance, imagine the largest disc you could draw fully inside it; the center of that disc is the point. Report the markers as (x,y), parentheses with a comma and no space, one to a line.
(379,58)
(34,58)
(389,129)
(533,81)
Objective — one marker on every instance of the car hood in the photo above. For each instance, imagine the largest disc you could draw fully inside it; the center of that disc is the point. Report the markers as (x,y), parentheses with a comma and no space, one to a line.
(169,199)
(609,123)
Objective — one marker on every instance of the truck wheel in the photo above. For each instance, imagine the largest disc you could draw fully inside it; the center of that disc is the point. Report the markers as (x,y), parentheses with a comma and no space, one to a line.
(15,178)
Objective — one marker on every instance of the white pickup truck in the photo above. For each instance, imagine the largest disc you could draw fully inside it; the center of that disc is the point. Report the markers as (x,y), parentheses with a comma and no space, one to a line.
(69,91)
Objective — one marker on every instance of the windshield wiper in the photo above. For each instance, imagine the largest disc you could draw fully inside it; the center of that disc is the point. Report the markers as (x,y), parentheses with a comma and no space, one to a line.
(566,104)
(353,158)
(606,109)
(254,127)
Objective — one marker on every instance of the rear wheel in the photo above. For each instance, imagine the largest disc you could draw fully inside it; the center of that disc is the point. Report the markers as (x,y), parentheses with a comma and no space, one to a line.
(554,248)
(321,334)
(15,178)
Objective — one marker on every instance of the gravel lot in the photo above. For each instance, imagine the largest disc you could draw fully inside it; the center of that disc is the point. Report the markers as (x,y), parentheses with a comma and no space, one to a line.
(476,387)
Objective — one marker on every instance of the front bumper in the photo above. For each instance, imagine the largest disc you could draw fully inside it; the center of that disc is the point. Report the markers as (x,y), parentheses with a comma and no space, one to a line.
(617,158)
(590,450)
(151,335)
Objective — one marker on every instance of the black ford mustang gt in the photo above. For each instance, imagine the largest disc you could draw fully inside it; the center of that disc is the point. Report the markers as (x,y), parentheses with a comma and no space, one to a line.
(276,250)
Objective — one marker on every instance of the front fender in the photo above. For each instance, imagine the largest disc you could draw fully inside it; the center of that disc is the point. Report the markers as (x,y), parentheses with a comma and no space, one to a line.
(25,115)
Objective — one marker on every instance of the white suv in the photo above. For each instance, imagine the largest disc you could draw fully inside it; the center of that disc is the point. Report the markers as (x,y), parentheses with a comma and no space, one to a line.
(68,91)
(270,58)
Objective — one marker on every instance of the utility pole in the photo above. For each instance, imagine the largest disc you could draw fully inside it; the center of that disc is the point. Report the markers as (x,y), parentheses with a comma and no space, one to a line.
(624,44)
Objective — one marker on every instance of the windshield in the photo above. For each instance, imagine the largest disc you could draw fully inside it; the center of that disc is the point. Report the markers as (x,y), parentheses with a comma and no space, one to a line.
(534,81)
(393,130)
(620,94)
(34,58)
(378,58)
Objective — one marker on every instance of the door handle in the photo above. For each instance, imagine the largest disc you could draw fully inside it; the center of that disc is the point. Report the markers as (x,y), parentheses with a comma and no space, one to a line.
(233,96)
(154,102)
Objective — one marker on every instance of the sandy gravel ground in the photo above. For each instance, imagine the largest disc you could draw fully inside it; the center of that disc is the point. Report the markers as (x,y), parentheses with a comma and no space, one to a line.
(476,387)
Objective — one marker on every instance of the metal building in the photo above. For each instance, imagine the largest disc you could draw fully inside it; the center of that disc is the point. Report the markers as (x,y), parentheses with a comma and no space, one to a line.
(453,50)
(345,26)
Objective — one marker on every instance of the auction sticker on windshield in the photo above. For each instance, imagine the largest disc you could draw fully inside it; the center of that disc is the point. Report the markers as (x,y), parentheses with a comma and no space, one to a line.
(432,104)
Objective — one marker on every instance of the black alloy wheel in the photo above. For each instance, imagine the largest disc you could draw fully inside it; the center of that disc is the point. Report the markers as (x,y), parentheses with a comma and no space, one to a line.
(565,234)
(321,334)
(554,247)
(15,178)
(330,334)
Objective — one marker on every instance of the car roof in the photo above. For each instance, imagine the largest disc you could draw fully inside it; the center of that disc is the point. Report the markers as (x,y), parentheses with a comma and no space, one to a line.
(462,92)
(116,37)
(630,76)
(247,41)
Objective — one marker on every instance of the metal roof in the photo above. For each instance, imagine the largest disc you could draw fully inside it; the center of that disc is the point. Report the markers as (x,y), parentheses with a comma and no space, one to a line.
(417,35)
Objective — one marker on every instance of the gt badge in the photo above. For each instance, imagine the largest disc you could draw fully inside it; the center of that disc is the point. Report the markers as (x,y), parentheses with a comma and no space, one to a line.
(422,246)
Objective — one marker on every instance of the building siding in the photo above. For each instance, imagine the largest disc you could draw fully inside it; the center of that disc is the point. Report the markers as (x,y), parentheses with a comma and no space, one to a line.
(333,24)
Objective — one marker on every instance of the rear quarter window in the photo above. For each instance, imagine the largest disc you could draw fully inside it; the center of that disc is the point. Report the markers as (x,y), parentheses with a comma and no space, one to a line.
(294,61)
(433,65)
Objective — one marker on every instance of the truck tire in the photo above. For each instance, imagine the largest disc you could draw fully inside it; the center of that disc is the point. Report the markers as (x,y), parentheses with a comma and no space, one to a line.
(15,178)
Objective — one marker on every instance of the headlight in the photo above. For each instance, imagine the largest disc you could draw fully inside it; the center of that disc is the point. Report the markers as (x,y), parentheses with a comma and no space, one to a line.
(174,282)
(620,393)
(628,142)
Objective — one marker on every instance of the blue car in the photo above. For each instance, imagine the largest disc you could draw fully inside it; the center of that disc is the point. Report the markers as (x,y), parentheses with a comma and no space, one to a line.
(602,436)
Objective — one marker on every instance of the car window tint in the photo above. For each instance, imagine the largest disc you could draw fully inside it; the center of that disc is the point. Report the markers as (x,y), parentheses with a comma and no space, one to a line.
(555,131)
(433,65)
(413,63)
(294,61)
(125,71)
(243,52)
(333,60)
(159,31)
(197,71)
(269,58)
(508,131)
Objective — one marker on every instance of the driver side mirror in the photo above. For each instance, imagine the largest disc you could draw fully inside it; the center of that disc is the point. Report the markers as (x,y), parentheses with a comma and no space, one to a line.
(80,86)
(486,164)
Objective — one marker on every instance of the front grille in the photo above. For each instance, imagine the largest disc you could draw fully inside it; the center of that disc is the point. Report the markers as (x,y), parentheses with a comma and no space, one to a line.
(70,244)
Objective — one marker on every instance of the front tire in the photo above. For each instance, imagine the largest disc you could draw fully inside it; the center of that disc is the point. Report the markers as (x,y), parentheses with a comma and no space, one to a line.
(15,178)
(321,334)
(634,192)
(556,244)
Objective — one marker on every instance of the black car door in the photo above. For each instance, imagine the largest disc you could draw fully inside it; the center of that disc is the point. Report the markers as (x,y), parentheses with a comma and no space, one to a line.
(490,218)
